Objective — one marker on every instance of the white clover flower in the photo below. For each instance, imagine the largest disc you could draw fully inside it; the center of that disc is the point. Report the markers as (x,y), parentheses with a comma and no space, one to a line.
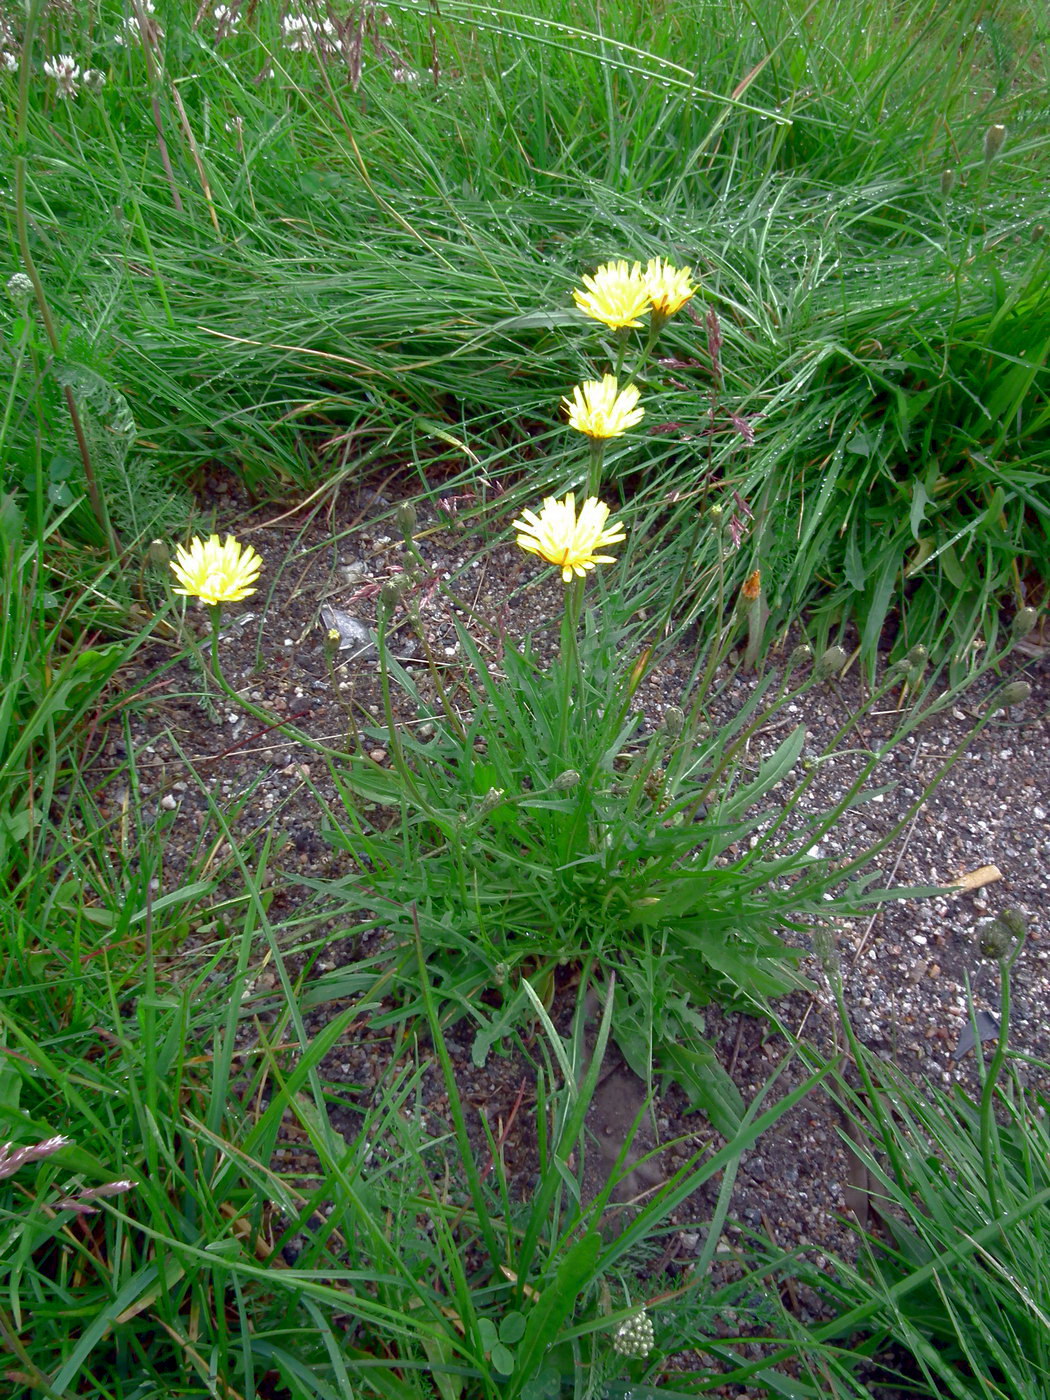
(130,29)
(8,61)
(94,79)
(64,72)
(296,31)
(226,19)
(303,32)
(19,287)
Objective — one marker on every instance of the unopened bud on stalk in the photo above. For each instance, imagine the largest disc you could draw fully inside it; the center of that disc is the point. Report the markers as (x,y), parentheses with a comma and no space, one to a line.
(716,515)
(800,656)
(997,937)
(492,798)
(827,952)
(831,662)
(407,518)
(390,594)
(994,940)
(947,181)
(751,588)
(1037,232)
(1014,922)
(1016,693)
(674,721)
(1024,620)
(993,141)
(158,556)
(916,664)
(565,781)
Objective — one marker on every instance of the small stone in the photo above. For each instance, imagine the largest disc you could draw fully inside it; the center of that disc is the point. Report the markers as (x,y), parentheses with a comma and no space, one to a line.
(377,755)
(168,802)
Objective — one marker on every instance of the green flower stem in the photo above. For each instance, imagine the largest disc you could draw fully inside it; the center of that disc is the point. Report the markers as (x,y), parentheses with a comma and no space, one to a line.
(397,753)
(572,678)
(656,325)
(622,337)
(594,467)
(270,720)
(989,1135)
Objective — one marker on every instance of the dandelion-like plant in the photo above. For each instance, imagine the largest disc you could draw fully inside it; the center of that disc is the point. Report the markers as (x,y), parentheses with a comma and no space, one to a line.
(568,541)
(601,409)
(218,573)
(669,287)
(616,295)
(214,572)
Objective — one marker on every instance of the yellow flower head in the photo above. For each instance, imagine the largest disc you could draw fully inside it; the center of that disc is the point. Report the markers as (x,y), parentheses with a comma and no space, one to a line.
(616,294)
(565,541)
(669,288)
(214,572)
(601,409)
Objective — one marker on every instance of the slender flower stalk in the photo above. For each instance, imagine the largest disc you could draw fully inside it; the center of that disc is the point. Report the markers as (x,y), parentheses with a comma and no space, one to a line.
(218,573)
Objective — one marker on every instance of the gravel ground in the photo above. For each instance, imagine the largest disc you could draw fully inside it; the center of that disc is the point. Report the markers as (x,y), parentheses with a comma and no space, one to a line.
(904,971)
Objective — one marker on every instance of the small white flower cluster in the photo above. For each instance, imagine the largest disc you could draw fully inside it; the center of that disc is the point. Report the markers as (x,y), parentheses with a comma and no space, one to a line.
(65,73)
(303,32)
(8,61)
(130,29)
(226,18)
(634,1337)
(19,287)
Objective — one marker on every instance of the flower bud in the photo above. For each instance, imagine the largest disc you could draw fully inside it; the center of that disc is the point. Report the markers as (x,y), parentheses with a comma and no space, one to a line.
(158,556)
(492,798)
(1024,620)
(752,586)
(1037,232)
(997,937)
(993,141)
(831,662)
(564,782)
(390,594)
(800,656)
(407,518)
(1016,693)
(947,182)
(827,953)
(674,721)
